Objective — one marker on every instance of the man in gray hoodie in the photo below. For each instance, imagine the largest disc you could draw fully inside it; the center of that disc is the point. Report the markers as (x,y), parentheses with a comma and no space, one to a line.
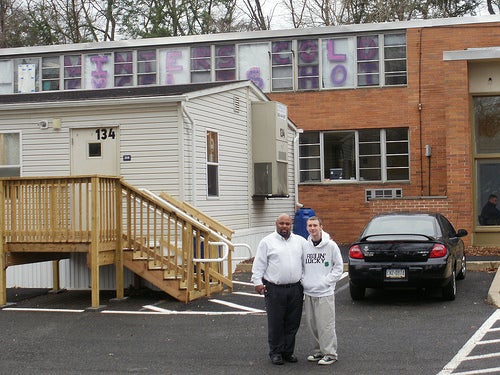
(323,267)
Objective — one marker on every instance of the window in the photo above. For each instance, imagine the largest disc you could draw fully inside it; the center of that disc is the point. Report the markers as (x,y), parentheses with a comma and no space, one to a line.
(51,68)
(487,148)
(308,64)
(146,67)
(212,164)
(27,75)
(282,65)
(363,155)
(201,64)
(225,62)
(273,64)
(10,155)
(124,68)
(310,156)
(5,77)
(368,60)
(253,64)
(72,72)
(99,70)
(395,59)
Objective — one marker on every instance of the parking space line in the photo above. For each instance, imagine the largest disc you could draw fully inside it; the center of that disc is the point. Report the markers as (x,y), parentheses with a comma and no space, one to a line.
(236,306)
(476,339)
(249,294)
(41,309)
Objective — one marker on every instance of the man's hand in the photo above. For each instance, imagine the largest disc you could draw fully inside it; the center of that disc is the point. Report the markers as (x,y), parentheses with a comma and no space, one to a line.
(261,289)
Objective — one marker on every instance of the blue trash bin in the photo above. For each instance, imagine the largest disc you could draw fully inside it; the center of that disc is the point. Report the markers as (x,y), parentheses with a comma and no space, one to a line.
(300,221)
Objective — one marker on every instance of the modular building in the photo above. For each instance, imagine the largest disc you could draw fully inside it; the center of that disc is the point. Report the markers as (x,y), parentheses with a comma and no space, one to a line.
(392,116)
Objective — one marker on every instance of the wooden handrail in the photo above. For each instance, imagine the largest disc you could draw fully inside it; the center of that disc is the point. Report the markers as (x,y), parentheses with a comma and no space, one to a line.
(104,216)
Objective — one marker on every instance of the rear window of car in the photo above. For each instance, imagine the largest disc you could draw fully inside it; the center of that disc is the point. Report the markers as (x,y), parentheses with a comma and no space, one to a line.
(402,225)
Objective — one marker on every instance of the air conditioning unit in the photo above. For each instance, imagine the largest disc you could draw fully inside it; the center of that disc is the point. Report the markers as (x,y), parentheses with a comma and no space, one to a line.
(270,149)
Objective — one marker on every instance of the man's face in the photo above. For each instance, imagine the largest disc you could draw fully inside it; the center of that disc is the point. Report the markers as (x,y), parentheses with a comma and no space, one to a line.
(284,226)
(313,228)
(494,201)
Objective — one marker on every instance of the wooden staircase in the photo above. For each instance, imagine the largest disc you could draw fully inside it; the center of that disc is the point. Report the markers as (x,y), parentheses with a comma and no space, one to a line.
(168,243)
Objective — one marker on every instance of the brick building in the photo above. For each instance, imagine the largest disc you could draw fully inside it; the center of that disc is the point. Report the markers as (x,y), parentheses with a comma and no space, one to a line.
(407,111)
(453,75)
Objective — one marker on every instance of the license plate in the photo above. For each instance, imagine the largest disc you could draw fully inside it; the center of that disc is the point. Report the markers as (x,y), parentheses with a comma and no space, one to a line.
(395,273)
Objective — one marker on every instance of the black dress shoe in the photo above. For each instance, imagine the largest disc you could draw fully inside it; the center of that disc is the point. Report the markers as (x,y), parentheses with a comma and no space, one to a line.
(277,359)
(290,358)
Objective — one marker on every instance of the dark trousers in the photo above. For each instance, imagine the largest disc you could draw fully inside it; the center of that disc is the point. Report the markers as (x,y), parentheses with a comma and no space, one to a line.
(284,311)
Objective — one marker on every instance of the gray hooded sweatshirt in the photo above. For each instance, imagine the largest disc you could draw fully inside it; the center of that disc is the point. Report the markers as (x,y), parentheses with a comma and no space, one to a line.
(323,267)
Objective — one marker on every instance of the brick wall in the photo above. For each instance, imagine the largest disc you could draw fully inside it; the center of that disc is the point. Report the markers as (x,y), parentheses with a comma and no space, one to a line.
(443,182)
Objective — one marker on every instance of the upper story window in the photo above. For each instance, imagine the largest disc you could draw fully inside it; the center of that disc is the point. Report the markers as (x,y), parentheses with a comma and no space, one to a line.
(146,67)
(72,72)
(395,59)
(27,75)
(225,62)
(282,65)
(368,60)
(6,77)
(201,64)
(51,71)
(361,155)
(308,64)
(10,155)
(124,68)
(371,60)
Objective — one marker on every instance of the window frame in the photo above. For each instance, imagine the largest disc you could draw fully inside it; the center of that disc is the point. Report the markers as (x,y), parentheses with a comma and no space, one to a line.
(212,163)
(382,156)
(3,152)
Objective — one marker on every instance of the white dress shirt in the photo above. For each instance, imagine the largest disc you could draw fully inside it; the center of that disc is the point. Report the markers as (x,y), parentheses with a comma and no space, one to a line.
(278,260)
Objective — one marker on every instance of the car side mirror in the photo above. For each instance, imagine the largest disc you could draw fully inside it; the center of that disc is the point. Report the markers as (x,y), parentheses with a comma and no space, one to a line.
(462,233)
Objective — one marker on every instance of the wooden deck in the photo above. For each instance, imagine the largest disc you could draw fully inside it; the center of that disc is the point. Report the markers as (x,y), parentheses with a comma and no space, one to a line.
(167,242)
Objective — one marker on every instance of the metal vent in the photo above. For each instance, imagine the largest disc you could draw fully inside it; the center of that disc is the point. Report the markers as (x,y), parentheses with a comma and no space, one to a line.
(236,104)
(383,193)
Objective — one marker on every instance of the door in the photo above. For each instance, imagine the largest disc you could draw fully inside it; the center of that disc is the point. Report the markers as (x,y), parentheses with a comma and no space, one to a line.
(95,151)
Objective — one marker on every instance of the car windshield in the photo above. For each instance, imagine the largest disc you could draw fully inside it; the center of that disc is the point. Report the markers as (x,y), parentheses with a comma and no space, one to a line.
(401,225)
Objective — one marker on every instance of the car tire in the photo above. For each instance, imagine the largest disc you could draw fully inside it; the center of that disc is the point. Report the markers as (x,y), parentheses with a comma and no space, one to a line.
(463,268)
(357,292)
(449,291)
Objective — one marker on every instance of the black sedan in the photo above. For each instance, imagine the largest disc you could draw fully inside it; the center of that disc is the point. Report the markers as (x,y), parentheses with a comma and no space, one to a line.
(407,250)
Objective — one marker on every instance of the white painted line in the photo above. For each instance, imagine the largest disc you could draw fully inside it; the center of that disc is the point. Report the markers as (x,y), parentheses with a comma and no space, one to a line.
(249,294)
(236,306)
(469,346)
(41,310)
(494,370)
(482,356)
(486,342)
(159,310)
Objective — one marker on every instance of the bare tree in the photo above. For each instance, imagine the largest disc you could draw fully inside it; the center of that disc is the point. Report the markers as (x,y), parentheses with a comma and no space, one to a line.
(493,6)
(307,13)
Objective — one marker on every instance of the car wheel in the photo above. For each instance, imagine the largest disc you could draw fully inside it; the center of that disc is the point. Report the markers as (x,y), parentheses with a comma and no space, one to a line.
(357,292)
(450,290)
(463,268)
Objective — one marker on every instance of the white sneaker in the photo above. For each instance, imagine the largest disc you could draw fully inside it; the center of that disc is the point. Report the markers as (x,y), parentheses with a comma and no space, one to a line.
(315,357)
(327,360)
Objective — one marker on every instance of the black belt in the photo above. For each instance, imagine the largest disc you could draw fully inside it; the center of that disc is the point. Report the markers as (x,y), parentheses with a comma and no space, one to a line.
(282,285)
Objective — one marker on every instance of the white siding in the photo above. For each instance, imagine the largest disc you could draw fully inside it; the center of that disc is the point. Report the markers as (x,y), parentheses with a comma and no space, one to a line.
(159,140)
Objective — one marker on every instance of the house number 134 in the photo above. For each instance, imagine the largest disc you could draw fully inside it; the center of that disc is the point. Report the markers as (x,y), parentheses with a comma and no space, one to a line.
(103,134)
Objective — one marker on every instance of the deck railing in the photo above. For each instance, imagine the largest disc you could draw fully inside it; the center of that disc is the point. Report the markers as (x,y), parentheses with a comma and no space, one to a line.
(104,216)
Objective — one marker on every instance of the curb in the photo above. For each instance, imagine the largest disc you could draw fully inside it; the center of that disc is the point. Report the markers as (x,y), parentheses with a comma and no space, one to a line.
(478,266)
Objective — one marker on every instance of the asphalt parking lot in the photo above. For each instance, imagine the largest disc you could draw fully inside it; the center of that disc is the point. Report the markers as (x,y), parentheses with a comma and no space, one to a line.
(150,333)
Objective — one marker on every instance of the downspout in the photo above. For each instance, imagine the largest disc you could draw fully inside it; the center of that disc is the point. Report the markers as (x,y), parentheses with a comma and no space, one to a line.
(193,152)
(297,167)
